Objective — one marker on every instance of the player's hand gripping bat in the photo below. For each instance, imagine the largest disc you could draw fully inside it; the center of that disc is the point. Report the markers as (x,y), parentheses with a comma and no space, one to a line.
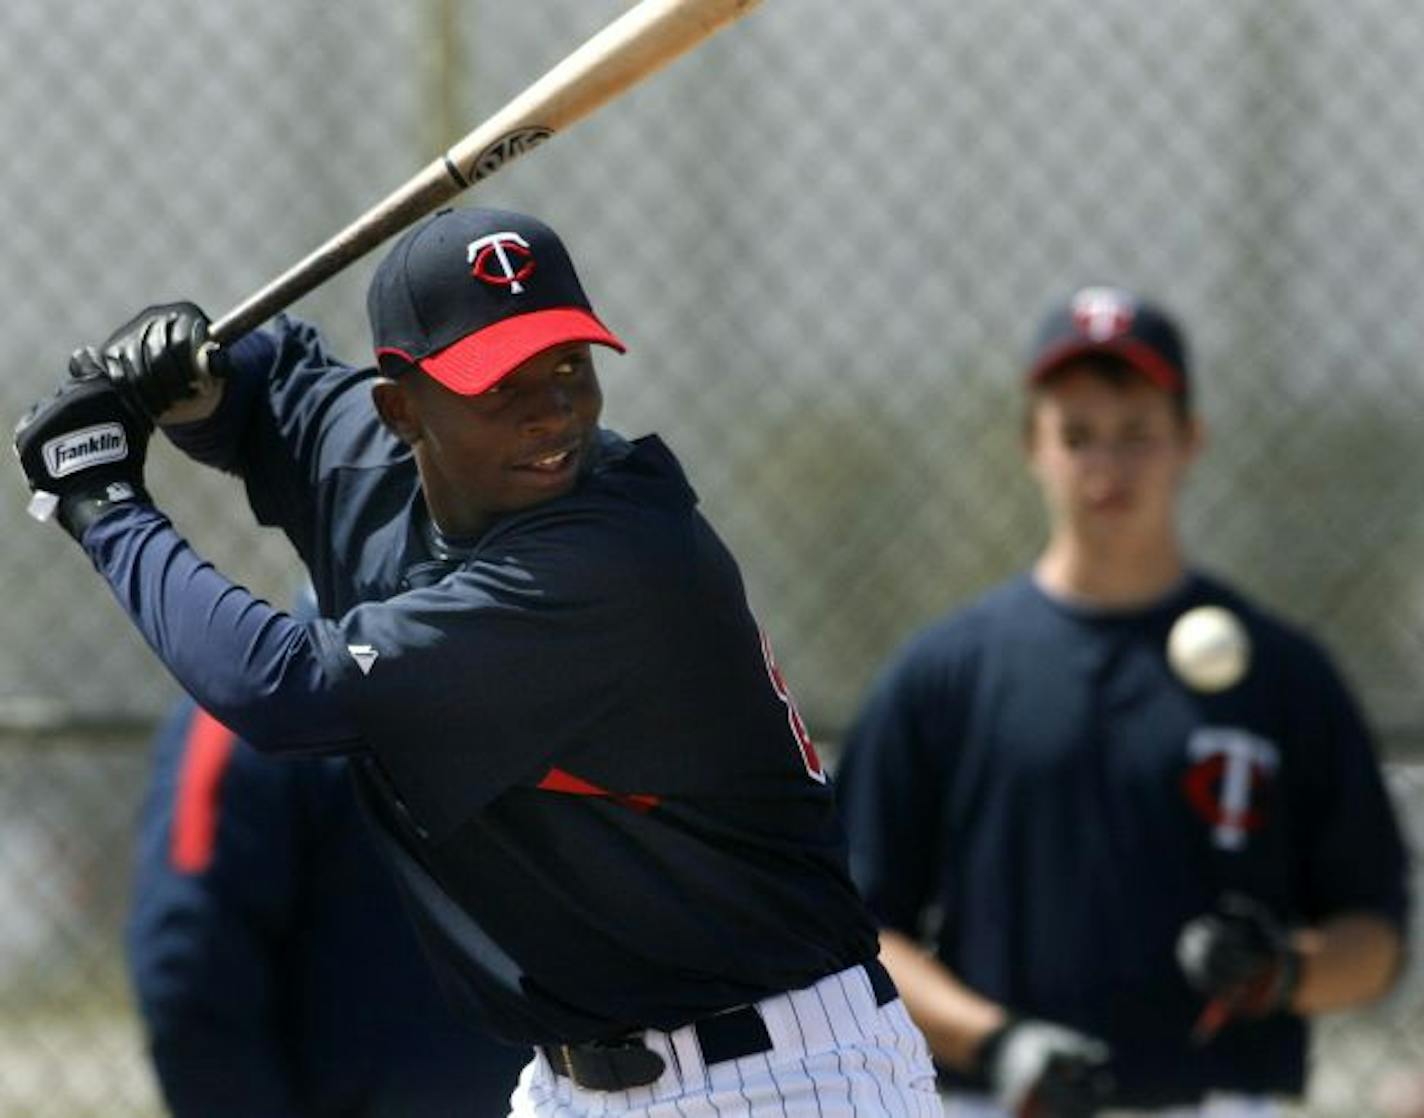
(1241,958)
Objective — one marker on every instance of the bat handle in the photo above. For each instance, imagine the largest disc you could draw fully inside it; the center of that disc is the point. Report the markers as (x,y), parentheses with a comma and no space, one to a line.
(203,360)
(1216,1013)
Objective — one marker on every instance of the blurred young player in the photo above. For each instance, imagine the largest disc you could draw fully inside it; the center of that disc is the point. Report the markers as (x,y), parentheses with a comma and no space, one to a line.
(1104,878)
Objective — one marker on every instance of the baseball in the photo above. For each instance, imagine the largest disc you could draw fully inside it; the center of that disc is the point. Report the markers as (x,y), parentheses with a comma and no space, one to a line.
(1208,648)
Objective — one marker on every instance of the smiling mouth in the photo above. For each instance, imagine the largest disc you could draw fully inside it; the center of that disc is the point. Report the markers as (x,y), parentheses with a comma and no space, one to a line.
(555,462)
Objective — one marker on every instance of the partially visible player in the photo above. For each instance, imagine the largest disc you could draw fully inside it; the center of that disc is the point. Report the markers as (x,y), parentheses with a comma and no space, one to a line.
(578,752)
(1101,883)
(275,968)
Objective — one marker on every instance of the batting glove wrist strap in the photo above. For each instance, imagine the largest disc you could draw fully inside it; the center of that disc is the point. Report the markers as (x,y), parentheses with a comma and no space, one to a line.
(1288,975)
(988,1051)
(82,448)
(79,510)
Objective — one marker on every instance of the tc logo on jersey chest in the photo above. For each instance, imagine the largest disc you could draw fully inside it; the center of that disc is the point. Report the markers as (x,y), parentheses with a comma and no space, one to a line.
(85,448)
(1227,783)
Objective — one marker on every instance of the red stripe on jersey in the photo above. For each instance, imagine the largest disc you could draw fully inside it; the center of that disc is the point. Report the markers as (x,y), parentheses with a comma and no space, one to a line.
(557,780)
(195,818)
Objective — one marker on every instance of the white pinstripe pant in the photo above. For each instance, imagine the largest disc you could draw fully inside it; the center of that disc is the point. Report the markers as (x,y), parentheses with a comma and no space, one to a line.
(1221,1106)
(834,1054)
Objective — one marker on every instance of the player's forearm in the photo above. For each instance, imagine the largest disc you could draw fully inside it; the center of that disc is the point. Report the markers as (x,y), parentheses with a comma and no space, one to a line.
(253,667)
(1346,961)
(954,1019)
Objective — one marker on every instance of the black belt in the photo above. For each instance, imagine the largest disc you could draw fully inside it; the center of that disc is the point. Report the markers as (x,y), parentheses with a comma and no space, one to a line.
(616,1065)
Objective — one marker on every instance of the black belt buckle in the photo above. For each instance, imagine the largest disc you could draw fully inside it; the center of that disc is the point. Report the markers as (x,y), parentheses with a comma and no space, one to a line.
(613,1065)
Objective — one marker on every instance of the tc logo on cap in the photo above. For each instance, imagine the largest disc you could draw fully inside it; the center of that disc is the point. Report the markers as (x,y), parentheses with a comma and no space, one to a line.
(501,260)
(1101,313)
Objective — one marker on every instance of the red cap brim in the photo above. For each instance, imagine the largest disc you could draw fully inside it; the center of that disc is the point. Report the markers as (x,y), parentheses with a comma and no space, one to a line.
(479,360)
(1140,356)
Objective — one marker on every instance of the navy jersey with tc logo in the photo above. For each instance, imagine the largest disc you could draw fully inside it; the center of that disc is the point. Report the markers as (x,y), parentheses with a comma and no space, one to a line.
(1031,789)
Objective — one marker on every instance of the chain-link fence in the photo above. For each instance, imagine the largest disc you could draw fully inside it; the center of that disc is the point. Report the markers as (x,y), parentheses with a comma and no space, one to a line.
(826,235)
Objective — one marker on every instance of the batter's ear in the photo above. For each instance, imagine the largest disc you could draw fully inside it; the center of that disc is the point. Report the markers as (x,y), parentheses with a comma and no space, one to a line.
(1197,435)
(393,406)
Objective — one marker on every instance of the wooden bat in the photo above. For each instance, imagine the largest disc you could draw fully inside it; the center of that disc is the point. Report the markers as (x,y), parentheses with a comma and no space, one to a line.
(635,45)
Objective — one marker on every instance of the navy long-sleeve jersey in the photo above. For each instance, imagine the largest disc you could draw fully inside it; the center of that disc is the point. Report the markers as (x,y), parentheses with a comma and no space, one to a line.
(1030,787)
(276,972)
(581,758)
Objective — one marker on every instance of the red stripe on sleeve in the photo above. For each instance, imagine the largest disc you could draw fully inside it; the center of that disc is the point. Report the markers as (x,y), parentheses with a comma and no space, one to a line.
(195,818)
(560,780)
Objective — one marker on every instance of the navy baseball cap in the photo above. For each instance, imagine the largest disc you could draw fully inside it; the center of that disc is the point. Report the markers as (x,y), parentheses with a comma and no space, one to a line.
(470,294)
(1110,320)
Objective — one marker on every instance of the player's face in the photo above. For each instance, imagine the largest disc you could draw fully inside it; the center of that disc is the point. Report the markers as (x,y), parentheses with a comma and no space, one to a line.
(520,443)
(1109,455)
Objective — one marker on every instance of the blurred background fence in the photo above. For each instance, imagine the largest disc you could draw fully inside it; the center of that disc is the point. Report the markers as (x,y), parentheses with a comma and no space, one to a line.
(826,236)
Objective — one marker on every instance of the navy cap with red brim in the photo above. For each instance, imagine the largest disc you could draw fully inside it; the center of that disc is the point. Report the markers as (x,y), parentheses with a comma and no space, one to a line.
(1097,321)
(469,295)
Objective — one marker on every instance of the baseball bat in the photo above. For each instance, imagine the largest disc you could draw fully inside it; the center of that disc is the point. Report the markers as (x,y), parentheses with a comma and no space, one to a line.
(636,44)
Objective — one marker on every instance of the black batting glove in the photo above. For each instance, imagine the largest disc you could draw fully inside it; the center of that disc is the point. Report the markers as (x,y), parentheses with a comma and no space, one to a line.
(154,358)
(82,448)
(1036,1069)
(1240,956)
